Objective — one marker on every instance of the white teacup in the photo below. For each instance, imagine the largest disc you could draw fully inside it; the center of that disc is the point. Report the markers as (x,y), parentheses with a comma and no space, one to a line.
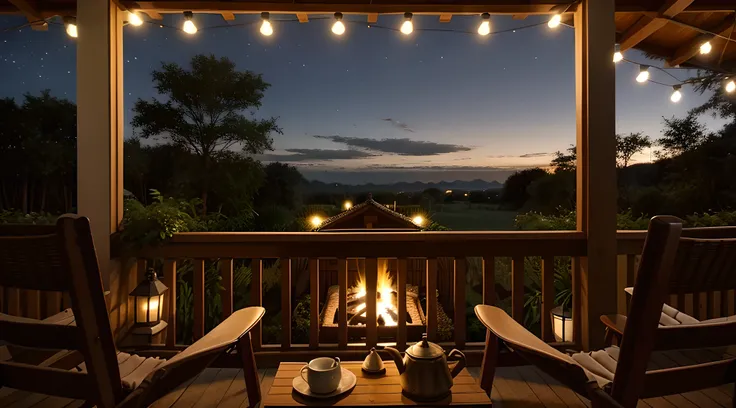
(323,374)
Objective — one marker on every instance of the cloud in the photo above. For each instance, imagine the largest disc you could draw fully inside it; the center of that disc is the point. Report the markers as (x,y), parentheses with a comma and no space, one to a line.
(399,125)
(540,154)
(305,155)
(402,147)
(521,156)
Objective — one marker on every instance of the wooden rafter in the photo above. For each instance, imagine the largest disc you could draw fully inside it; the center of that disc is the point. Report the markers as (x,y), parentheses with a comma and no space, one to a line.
(445,18)
(32,14)
(691,49)
(147,8)
(647,25)
(227,16)
(303,17)
(520,16)
(372,18)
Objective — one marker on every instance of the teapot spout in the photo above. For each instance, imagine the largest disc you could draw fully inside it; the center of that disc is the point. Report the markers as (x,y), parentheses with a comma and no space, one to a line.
(397,358)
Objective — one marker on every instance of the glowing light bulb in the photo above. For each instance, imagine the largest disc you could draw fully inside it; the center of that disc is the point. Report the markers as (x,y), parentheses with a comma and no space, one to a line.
(339,27)
(555,21)
(731,86)
(485,26)
(134,18)
(189,26)
(266,27)
(70,23)
(617,56)
(418,220)
(316,221)
(676,94)
(347,205)
(706,47)
(407,27)
(643,74)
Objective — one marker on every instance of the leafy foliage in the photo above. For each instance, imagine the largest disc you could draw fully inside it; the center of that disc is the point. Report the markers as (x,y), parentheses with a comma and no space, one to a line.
(151,225)
(629,145)
(681,135)
(515,188)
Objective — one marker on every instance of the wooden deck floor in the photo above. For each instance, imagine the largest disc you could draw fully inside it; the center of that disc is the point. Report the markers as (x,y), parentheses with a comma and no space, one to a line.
(513,387)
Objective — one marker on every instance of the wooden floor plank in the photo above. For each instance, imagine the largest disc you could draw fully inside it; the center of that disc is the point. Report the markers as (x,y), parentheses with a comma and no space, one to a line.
(540,387)
(267,377)
(568,396)
(235,395)
(196,389)
(169,399)
(514,391)
(658,402)
(217,388)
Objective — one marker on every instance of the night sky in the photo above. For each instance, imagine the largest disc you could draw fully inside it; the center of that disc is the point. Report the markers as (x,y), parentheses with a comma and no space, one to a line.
(374,105)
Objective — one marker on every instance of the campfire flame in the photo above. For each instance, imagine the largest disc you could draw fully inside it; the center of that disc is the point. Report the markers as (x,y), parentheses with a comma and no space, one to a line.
(385,305)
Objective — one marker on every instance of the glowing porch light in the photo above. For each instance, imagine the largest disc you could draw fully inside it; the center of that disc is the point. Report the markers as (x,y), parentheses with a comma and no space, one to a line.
(706,47)
(407,27)
(617,55)
(418,220)
(643,74)
(731,86)
(316,221)
(134,18)
(189,26)
(562,324)
(555,21)
(266,27)
(338,28)
(676,94)
(70,23)
(485,25)
(347,205)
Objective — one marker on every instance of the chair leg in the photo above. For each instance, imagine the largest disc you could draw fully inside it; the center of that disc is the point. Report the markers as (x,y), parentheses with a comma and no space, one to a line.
(250,371)
(489,363)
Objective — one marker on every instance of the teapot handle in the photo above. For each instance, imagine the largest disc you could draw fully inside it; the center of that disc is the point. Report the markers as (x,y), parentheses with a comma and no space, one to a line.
(460,363)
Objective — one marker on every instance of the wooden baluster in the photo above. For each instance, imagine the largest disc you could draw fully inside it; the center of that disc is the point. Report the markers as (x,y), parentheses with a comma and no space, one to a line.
(13,296)
(314,304)
(371,289)
(285,303)
(631,264)
(710,305)
(198,298)
(403,266)
(226,273)
(724,303)
(256,299)
(517,288)
(53,303)
(489,280)
(169,280)
(577,320)
(461,267)
(33,304)
(66,301)
(432,299)
(141,269)
(548,297)
(342,308)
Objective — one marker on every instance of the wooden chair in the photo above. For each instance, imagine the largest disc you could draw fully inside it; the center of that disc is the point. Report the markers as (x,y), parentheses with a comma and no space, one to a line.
(622,375)
(65,261)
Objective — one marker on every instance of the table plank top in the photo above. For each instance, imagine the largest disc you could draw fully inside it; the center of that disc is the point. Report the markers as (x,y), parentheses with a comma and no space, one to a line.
(384,391)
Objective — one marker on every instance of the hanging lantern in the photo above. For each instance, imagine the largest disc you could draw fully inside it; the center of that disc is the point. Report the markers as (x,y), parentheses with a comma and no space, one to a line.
(562,324)
(149,300)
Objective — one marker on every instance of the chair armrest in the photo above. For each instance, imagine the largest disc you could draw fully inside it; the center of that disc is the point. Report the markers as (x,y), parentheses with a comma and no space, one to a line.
(615,323)
(224,335)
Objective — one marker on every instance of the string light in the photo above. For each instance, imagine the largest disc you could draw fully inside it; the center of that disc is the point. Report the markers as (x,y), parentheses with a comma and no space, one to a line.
(407,27)
(731,86)
(347,205)
(676,94)
(617,56)
(643,74)
(316,221)
(70,23)
(706,47)
(338,28)
(189,26)
(266,27)
(485,26)
(418,220)
(555,21)
(134,18)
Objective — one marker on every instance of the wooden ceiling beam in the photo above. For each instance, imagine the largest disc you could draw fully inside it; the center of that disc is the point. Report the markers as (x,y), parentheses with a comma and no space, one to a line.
(227,16)
(303,17)
(147,8)
(520,16)
(445,18)
(32,15)
(692,48)
(372,18)
(646,25)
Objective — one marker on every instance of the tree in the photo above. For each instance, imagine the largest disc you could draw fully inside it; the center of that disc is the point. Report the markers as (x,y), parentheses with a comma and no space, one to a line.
(515,188)
(205,112)
(720,104)
(629,145)
(681,135)
(282,187)
(565,161)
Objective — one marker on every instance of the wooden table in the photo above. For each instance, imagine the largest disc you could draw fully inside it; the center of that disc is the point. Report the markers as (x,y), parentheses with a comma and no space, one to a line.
(383,391)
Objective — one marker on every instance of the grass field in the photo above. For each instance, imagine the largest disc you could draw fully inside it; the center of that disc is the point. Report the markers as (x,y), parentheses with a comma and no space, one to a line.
(473,217)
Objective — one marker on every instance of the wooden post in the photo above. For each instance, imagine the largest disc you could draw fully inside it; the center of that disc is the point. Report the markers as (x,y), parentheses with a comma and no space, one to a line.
(401,300)
(517,288)
(489,280)
(596,167)
(226,273)
(170,300)
(256,298)
(100,122)
(198,289)
(461,267)
(432,305)
(548,297)
(285,303)
(342,308)
(371,290)
(314,303)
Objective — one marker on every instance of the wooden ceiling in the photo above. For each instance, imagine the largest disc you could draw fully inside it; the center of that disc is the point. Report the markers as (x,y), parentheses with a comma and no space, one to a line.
(669,29)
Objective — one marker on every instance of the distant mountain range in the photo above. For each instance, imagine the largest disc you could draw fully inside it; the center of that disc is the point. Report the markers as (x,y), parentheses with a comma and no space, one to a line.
(461,185)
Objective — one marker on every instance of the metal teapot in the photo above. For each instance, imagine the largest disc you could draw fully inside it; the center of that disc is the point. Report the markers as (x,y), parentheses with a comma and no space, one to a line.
(425,375)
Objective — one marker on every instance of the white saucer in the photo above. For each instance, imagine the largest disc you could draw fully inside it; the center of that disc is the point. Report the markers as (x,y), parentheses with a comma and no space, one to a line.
(347,383)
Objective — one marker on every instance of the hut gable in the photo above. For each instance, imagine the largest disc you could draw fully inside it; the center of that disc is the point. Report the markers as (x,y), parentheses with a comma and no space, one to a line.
(369,215)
